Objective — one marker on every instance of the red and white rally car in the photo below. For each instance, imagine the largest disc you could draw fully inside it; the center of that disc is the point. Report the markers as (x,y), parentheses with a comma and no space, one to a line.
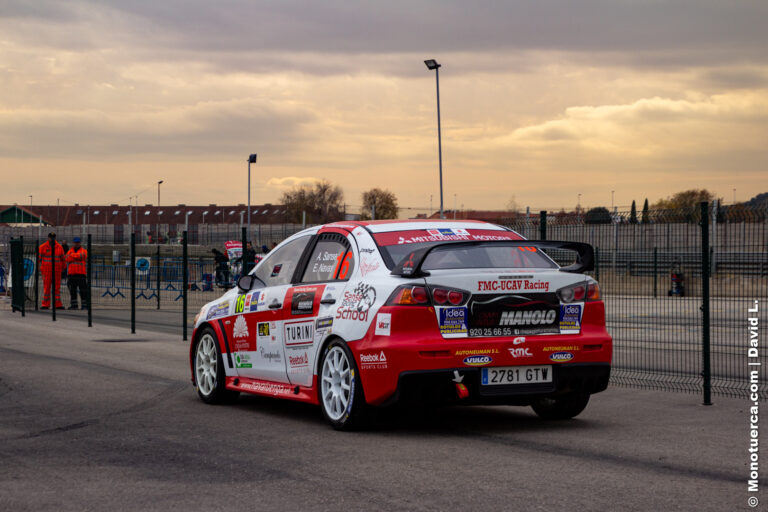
(356,314)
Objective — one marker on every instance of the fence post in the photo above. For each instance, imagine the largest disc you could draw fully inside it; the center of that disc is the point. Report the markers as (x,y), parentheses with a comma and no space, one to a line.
(157,271)
(597,264)
(706,367)
(52,244)
(89,277)
(37,271)
(133,282)
(185,282)
(543,224)
(655,272)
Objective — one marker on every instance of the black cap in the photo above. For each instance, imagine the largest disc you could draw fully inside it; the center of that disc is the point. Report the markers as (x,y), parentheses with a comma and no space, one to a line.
(51,235)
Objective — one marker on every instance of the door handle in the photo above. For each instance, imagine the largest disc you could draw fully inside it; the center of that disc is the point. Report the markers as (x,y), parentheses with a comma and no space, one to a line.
(328,301)
(275,305)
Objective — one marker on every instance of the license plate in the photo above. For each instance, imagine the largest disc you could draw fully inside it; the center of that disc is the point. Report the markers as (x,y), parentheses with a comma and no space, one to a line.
(505,375)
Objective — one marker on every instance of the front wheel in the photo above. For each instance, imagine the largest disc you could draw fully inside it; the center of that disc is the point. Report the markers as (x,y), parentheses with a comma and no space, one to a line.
(210,377)
(561,407)
(341,394)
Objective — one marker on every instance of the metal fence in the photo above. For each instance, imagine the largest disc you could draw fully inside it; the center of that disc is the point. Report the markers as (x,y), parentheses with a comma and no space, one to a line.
(677,290)
(653,270)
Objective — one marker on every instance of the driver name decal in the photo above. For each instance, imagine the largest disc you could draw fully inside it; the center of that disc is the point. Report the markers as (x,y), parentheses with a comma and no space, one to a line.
(299,333)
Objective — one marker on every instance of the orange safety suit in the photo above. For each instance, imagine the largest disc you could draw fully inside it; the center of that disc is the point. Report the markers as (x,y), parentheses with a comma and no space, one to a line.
(77,258)
(50,261)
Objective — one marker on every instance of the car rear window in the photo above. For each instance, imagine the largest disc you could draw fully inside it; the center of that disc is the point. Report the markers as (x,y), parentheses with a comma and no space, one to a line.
(487,256)
(398,244)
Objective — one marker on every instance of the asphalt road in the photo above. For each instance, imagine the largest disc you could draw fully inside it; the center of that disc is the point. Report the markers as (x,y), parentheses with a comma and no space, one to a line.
(99,419)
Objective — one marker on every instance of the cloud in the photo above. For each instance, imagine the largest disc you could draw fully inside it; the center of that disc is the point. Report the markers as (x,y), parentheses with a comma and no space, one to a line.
(289,182)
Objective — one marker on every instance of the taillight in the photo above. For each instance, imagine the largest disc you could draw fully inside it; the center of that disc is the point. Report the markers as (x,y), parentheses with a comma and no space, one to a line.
(447,296)
(579,292)
(409,296)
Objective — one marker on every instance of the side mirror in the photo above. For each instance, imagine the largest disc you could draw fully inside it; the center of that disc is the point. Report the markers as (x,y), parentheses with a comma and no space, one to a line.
(245,283)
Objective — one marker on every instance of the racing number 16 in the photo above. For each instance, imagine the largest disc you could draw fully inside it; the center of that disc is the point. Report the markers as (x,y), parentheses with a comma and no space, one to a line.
(342,265)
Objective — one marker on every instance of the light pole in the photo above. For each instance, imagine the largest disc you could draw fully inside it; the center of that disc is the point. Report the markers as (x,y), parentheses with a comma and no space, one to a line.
(578,203)
(186,222)
(157,234)
(251,160)
(612,191)
(433,65)
(30,201)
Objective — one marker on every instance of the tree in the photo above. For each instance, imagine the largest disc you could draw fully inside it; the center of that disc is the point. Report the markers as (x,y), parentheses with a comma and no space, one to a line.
(633,213)
(384,201)
(644,219)
(323,202)
(687,199)
(598,215)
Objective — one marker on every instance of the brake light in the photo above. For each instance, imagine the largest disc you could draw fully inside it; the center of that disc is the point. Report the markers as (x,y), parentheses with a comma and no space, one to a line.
(447,296)
(409,296)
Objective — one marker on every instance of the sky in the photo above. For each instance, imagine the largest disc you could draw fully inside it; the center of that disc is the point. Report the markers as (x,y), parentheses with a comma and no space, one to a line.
(544,104)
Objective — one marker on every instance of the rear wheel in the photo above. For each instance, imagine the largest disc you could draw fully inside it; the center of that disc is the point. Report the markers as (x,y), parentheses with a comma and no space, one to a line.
(341,394)
(561,407)
(210,377)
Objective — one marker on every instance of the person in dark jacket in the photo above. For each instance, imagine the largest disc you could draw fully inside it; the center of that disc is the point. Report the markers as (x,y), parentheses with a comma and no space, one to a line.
(248,258)
(222,267)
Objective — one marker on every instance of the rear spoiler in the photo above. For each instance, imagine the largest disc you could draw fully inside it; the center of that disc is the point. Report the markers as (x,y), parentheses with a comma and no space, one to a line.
(410,266)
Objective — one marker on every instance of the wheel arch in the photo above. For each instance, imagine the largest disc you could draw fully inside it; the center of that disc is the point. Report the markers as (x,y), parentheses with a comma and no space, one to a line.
(198,332)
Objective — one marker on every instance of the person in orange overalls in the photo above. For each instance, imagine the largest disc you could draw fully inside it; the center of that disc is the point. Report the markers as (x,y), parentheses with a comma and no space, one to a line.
(51,260)
(77,258)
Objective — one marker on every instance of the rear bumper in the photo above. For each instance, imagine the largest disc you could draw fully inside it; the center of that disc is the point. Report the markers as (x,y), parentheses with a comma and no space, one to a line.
(438,386)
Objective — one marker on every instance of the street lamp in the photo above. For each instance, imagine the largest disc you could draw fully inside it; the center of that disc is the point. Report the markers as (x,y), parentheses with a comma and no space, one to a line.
(251,160)
(578,203)
(186,222)
(612,191)
(433,65)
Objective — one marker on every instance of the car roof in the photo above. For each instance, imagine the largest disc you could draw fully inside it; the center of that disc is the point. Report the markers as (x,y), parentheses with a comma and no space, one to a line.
(384,226)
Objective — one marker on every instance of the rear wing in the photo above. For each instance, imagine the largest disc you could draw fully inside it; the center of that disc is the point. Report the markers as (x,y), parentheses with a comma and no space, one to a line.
(410,266)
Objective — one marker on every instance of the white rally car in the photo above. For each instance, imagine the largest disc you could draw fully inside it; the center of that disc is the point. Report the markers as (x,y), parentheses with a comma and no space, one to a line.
(357,314)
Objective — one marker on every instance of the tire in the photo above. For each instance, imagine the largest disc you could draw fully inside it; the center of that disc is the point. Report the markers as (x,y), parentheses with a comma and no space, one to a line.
(210,377)
(561,407)
(340,392)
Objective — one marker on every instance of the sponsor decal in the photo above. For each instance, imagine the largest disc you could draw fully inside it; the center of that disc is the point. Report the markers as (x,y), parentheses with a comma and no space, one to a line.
(512,285)
(302,302)
(271,357)
(240,329)
(299,333)
(476,351)
(276,270)
(367,250)
(383,324)
(561,357)
(561,348)
(360,299)
(453,320)
(519,340)
(373,361)
(324,323)
(243,360)
(263,329)
(357,303)
(477,360)
(440,235)
(267,388)
(534,317)
(252,303)
(520,352)
(570,317)
(217,310)
(262,301)
(300,361)
(368,267)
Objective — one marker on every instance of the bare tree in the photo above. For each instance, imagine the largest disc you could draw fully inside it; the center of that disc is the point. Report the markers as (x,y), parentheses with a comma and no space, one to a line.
(384,201)
(323,202)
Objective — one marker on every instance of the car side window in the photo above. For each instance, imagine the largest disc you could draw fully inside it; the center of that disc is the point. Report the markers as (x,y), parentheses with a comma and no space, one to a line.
(331,259)
(280,264)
